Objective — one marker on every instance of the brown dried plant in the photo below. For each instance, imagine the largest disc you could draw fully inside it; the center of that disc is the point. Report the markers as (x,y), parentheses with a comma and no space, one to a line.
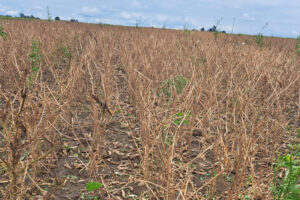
(148,113)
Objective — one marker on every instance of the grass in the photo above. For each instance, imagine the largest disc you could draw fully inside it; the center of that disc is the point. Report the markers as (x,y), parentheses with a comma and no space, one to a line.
(298,45)
(146,113)
(286,182)
(2,33)
(259,40)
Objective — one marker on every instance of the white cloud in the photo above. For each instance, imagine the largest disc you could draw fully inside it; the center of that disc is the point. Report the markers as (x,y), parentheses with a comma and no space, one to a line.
(130,15)
(156,26)
(12,12)
(295,33)
(125,15)
(135,4)
(131,4)
(227,28)
(178,27)
(161,18)
(87,9)
(247,16)
(81,19)
(3,8)
(111,21)
(39,14)
(98,20)
(40,8)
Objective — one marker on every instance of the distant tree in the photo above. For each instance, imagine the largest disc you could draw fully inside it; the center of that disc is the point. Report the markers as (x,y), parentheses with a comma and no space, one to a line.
(27,16)
(57,18)
(202,29)
(22,15)
(73,20)
(223,31)
(213,29)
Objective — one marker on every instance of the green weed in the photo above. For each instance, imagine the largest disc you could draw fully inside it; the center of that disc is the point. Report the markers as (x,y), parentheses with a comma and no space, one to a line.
(287,175)
(186,31)
(298,45)
(248,184)
(227,177)
(198,61)
(178,83)
(91,186)
(259,39)
(7,17)
(2,33)
(215,29)
(65,51)
(216,34)
(35,58)
(180,118)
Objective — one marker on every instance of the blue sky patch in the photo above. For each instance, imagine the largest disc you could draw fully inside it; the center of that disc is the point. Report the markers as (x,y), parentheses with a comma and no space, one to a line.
(244,16)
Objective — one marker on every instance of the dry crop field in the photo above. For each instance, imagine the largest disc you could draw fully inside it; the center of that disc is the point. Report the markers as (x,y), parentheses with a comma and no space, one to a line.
(147,113)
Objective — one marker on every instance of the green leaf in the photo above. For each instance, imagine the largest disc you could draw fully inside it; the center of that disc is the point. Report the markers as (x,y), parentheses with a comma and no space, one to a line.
(2,33)
(186,122)
(247,198)
(288,128)
(30,78)
(179,114)
(167,142)
(35,69)
(26,153)
(91,186)
(177,122)
(295,189)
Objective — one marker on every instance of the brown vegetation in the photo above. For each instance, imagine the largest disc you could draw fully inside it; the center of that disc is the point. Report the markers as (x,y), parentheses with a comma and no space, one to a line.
(149,113)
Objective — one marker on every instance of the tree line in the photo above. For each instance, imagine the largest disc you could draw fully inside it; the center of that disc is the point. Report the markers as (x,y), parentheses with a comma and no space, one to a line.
(57,18)
(23,16)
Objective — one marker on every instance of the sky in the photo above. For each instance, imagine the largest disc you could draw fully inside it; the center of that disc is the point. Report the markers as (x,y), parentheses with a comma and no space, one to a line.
(269,17)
